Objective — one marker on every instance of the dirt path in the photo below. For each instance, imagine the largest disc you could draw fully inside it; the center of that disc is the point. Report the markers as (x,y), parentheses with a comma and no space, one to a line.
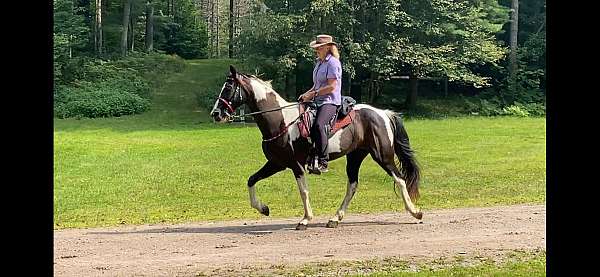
(237,246)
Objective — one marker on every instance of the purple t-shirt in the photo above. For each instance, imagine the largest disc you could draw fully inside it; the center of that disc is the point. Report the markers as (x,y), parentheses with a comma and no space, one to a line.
(330,68)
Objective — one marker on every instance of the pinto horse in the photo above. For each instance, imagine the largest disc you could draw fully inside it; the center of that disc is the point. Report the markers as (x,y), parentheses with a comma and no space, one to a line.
(373,131)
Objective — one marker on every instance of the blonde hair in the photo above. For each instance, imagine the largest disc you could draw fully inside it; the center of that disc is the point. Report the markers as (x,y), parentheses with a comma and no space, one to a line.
(334,51)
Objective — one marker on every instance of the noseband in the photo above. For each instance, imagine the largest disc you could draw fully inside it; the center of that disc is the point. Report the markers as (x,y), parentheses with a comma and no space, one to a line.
(237,94)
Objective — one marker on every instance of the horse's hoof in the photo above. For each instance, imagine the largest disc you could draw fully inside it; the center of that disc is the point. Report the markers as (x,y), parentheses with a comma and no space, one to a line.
(301,227)
(265,210)
(332,224)
(418,215)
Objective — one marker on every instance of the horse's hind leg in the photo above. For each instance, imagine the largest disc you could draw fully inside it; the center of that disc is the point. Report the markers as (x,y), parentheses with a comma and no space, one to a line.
(267,170)
(354,160)
(408,204)
(386,161)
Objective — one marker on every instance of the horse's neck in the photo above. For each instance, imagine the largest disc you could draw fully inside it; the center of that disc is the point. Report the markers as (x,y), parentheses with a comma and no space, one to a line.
(265,98)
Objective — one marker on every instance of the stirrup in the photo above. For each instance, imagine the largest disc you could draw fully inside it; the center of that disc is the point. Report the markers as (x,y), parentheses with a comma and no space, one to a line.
(313,167)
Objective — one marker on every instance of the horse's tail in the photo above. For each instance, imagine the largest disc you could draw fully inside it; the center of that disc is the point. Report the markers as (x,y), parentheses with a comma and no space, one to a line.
(407,161)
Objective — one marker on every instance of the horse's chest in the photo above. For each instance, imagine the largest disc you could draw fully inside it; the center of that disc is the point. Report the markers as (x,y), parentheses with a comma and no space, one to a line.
(285,153)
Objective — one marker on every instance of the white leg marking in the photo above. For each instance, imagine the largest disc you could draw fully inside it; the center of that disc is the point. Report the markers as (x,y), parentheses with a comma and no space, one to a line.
(303,188)
(350,191)
(410,207)
(254,202)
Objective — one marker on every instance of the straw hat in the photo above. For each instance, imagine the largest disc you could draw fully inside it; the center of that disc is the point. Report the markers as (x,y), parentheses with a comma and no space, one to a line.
(322,40)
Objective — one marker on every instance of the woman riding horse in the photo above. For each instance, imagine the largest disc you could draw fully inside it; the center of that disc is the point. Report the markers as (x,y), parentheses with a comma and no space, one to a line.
(375,132)
(326,93)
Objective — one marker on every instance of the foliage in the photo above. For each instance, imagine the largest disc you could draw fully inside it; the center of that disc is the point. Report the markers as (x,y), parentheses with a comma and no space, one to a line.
(495,107)
(95,88)
(103,99)
(274,43)
(440,38)
(186,34)
(206,95)
(153,66)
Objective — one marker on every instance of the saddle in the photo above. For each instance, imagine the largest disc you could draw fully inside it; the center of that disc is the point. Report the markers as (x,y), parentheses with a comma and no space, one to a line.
(342,118)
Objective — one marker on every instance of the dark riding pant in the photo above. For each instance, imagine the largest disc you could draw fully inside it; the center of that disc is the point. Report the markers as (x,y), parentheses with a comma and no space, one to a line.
(318,134)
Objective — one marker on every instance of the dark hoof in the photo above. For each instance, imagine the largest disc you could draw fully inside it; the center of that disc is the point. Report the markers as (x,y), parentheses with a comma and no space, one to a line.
(332,224)
(312,171)
(301,227)
(418,215)
(265,210)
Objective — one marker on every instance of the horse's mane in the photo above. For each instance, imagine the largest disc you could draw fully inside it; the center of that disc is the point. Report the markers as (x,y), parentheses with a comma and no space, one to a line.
(266,83)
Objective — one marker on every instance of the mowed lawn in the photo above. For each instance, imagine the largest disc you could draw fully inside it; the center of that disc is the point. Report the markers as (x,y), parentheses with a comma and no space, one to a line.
(172,165)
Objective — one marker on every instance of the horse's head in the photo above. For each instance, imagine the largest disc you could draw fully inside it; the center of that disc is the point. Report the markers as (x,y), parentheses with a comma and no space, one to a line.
(230,98)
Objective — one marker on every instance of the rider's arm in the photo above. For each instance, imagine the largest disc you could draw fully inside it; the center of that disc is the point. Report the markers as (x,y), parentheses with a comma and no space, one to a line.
(331,83)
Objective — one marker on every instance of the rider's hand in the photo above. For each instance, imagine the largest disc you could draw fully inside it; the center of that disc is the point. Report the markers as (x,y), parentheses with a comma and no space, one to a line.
(307,96)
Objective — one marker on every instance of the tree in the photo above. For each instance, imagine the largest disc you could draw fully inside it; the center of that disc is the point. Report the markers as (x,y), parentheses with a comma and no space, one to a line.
(437,38)
(69,27)
(186,36)
(98,41)
(514,30)
(149,38)
(126,23)
(230,55)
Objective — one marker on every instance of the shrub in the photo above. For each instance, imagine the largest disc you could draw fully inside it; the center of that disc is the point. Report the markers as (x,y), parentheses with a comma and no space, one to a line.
(207,96)
(515,110)
(96,88)
(99,100)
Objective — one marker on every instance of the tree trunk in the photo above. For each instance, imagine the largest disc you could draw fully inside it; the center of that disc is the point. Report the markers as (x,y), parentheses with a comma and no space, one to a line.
(218,46)
(514,29)
(95,34)
(131,33)
(71,36)
(212,28)
(446,87)
(373,87)
(149,26)
(132,26)
(126,12)
(99,27)
(230,29)
(287,87)
(355,91)
(411,99)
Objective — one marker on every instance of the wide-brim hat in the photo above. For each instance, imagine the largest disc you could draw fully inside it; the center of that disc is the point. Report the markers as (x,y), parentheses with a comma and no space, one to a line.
(322,40)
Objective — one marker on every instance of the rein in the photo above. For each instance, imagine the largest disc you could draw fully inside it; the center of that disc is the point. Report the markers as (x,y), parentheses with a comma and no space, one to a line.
(283,130)
(233,115)
(271,110)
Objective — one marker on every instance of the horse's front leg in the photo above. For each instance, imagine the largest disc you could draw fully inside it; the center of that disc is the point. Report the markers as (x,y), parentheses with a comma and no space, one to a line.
(266,171)
(303,188)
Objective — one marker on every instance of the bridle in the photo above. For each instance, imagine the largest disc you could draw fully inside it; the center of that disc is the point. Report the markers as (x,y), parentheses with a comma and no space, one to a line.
(238,98)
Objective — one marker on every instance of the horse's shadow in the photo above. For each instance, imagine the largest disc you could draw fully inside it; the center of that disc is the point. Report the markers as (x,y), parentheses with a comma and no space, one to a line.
(248,229)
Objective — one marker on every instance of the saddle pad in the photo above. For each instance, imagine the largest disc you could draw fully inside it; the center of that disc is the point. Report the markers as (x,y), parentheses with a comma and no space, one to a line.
(339,124)
(305,123)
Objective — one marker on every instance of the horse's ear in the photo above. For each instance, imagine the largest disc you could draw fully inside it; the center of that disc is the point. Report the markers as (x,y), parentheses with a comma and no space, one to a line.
(232,70)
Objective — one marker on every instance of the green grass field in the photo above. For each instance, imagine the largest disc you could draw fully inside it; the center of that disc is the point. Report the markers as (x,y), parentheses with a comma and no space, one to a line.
(517,263)
(172,165)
